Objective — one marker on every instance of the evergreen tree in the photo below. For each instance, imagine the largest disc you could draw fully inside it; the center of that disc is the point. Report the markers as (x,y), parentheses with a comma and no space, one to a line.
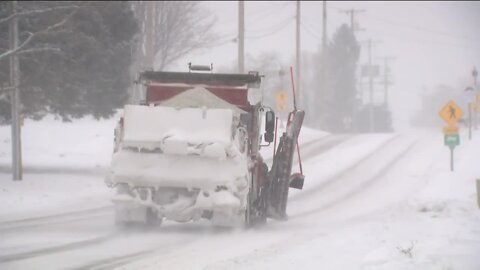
(339,96)
(84,67)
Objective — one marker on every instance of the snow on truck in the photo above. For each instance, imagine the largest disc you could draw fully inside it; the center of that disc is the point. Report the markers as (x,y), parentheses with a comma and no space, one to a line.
(190,151)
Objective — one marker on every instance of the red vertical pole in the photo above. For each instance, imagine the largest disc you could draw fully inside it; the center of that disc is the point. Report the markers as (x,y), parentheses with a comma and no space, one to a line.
(275,141)
(293,89)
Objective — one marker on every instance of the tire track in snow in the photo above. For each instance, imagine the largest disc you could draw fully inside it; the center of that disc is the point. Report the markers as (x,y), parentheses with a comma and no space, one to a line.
(55,249)
(331,180)
(361,186)
(113,262)
(54,219)
(313,148)
(191,234)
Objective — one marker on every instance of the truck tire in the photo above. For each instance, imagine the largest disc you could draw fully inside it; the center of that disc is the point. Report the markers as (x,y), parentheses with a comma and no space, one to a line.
(257,209)
(122,219)
(152,218)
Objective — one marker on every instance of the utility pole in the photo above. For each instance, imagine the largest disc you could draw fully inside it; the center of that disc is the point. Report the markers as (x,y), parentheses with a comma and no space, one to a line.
(324,30)
(370,89)
(386,82)
(241,36)
(319,97)
(370,76)
(297,65)
(352,13)
(150,23)
(15,99)
(353,26)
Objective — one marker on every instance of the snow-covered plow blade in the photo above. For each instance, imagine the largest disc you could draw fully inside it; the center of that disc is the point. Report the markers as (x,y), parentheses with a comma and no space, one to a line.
(280,176)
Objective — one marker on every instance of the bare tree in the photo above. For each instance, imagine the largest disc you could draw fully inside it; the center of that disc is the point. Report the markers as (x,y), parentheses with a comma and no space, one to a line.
(22,48)
(181,27)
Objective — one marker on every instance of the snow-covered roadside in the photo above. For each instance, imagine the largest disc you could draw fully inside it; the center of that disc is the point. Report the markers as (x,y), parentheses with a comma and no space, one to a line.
(84,143)
(439,227)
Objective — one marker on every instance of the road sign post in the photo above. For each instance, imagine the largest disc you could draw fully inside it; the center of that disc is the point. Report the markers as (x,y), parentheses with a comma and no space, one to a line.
(451,113)
(451,159)
(452,140)
(470,97)
(478,192)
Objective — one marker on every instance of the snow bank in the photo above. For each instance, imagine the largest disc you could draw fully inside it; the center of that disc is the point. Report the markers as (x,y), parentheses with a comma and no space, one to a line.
(84,143)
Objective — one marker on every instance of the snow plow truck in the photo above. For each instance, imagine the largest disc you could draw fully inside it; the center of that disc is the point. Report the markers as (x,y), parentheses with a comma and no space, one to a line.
(191,150)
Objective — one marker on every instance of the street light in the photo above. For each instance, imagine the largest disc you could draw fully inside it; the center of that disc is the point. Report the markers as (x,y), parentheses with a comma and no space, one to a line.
(470,98)
(475,102)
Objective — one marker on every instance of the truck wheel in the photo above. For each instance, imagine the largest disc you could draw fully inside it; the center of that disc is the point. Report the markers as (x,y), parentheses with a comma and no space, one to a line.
(256,213)
(121,220)
(152,219)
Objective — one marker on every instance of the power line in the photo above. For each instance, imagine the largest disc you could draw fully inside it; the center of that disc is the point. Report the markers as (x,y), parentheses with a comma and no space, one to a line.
(262,13)
(223,42)
(406,25)
(422,42)
(273,27)
(421,29)
(257,34)
(277,28)
(309,31)
(270,11)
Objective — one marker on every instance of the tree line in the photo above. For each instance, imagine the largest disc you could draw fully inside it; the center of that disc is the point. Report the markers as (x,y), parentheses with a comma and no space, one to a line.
(75,57)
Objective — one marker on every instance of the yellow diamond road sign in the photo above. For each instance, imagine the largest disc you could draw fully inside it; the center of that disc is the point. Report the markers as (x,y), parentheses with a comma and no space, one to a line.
(451,113)
(281,98)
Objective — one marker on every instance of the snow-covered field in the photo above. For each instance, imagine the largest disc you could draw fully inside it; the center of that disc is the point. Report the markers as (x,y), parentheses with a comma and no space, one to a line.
(372,201)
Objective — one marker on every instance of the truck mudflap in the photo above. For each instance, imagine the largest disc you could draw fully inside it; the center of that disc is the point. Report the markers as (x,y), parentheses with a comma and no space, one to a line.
(280,177)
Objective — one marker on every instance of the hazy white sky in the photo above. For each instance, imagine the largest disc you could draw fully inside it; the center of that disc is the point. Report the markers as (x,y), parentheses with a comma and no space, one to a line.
(432,42)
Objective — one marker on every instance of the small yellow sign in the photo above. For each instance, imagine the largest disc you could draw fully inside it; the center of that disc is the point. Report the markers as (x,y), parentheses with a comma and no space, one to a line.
(451,113)
(281,99)
(450,130)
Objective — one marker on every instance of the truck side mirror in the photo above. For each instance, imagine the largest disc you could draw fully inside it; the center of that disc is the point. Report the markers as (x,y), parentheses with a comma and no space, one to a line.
(269,126)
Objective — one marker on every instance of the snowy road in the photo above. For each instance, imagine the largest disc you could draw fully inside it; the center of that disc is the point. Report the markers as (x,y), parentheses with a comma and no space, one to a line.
(358,210)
